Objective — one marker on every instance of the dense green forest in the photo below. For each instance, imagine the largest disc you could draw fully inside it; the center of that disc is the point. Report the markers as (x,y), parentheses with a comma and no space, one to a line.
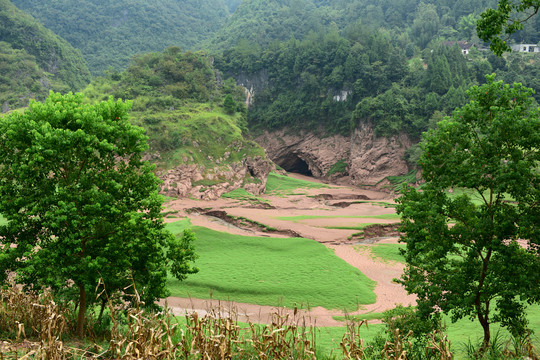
(419,22)
(109,34)
(180,99)
(394,64)
(334,82)
(34,60)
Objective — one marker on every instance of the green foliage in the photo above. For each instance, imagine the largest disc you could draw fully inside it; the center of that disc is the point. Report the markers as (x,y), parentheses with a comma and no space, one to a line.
(229,104)
(410,178)
(78,195)
(182,253)
(405,319)
(273,271)
(61,67)
(338,168)
(109,34)
(491,148)
(496,25)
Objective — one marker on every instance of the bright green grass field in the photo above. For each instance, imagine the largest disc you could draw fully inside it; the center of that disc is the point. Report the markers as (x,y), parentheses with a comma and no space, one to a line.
(3,220)
(271,271)
(285,185)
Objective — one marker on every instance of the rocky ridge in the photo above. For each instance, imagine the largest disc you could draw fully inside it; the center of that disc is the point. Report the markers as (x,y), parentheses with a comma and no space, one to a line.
(198,182)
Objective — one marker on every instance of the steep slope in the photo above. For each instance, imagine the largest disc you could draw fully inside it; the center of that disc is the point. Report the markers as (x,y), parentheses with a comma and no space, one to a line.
(35,60)
(21,78)
(195,122)
(109,33)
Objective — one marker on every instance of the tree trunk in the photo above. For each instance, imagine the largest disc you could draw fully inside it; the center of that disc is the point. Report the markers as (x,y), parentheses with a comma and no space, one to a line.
(82,310)
(484,321)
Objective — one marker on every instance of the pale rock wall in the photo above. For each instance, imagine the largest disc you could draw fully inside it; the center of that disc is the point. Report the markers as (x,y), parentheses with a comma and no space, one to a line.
(370,158)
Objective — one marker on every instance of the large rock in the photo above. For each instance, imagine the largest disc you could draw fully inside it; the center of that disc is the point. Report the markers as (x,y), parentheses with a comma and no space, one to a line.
(369,158)
(196,181)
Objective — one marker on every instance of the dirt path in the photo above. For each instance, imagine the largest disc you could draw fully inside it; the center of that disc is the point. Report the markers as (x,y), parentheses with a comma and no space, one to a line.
(310,204)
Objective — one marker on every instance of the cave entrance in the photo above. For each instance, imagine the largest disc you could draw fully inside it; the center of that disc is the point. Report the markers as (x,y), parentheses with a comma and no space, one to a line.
(294,164)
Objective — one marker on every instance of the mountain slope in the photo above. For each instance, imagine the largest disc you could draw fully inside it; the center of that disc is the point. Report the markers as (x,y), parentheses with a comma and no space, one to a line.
(109,33)
(195,123)
(35,60)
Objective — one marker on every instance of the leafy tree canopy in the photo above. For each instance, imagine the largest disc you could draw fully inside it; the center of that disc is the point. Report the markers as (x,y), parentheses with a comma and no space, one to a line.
(475,252)
(81,203)
(496,25)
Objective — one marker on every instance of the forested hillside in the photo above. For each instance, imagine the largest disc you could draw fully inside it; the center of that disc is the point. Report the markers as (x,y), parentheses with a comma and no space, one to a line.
(109,33)
(330,65)
(34,60)
(419,22)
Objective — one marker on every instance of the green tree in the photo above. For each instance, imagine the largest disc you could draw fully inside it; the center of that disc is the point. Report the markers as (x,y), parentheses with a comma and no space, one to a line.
(474,253)
(229,104)
(82,204)
(496,25)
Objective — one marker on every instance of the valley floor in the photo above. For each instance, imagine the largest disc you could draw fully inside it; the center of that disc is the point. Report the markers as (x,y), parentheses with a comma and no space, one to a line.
(332,215)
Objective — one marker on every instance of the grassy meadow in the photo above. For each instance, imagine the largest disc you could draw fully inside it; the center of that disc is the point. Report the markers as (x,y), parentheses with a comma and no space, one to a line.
(271,271)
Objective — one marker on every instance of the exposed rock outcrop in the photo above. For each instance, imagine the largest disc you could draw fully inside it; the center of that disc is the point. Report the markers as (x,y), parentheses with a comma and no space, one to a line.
(252,84)
(366,158)
(196,181)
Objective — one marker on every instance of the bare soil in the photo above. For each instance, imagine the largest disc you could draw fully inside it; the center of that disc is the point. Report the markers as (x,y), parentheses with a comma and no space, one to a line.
(314,202)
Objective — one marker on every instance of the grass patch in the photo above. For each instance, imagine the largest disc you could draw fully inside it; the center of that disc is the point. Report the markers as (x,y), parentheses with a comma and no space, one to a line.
(285,185)
(359,235)
(383,252)
(308,217)
(271,271)
(241,194)
(357,227)
(389,252)
(3,220)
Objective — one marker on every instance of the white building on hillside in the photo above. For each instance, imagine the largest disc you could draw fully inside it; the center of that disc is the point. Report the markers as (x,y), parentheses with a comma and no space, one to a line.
(531,48)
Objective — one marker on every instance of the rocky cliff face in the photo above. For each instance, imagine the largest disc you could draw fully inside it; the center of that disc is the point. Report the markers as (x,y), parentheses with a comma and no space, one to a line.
(252,84)
(359,159)
(199,182)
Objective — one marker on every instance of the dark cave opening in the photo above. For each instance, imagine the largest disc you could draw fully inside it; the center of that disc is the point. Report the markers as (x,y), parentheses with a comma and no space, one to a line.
(294,164)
